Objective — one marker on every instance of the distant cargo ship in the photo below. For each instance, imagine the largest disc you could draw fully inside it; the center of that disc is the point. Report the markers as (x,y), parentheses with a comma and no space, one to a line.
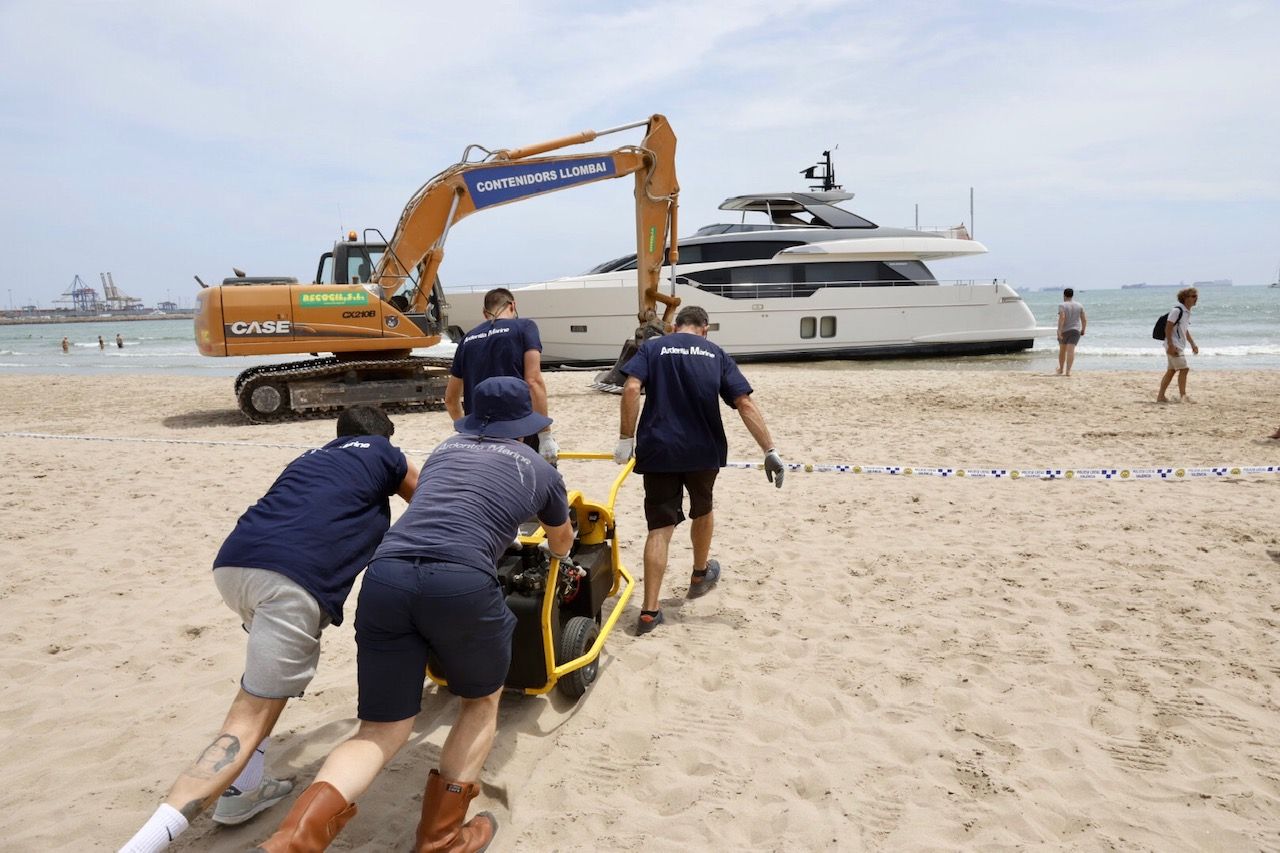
(1217,282)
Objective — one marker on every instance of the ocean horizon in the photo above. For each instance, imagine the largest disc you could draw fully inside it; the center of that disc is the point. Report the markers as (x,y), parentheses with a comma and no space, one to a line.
(1237,328)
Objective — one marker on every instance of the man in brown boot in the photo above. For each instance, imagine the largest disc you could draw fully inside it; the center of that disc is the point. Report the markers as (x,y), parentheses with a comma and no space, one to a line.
(433,587)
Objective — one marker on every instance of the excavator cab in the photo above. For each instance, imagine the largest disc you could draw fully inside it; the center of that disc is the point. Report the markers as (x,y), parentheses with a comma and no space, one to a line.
(352,261)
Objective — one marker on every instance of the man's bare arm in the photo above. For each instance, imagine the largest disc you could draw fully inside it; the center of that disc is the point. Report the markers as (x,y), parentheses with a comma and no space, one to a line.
(453,398)
(409,484)
(630,407)
(754,421)
(560,538)
(537,385)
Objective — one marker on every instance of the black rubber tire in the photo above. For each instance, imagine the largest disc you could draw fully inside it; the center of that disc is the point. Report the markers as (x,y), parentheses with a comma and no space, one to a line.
(578,636)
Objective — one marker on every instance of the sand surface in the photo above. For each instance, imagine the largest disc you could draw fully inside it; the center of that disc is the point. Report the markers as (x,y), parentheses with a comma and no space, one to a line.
(890,663)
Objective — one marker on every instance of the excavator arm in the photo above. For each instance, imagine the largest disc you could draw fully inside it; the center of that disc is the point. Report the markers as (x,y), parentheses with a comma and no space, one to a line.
(510,175)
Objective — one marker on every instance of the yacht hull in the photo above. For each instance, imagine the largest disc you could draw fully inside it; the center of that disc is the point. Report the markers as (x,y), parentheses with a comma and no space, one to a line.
(583,321)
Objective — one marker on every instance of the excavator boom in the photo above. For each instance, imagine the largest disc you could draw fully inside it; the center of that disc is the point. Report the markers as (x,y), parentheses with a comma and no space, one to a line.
(512,175)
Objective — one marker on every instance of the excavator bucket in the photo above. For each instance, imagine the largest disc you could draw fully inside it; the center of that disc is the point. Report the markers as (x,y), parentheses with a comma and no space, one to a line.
(610,381)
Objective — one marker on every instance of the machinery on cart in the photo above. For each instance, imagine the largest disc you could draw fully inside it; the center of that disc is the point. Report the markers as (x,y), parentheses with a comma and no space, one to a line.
(558,605)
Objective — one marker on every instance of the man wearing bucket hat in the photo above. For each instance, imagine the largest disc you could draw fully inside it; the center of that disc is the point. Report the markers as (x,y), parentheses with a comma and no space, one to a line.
(432,587)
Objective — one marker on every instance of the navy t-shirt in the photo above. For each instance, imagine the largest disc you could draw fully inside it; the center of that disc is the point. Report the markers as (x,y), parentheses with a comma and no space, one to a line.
(494,348)
(680,428)
(473,494)
(322,518)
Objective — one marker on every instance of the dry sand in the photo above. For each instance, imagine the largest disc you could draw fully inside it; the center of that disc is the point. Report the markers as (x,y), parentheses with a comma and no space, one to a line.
(890,663)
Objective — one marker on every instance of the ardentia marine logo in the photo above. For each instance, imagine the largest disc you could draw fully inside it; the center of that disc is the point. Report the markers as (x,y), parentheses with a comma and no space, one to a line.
(333,299)
(259,327)
(358,315)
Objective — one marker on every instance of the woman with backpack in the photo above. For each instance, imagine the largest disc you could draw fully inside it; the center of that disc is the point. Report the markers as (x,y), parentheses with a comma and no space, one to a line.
(1177,335)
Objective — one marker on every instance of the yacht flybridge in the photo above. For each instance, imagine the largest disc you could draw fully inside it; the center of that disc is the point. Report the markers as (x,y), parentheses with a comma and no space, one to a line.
(810,281)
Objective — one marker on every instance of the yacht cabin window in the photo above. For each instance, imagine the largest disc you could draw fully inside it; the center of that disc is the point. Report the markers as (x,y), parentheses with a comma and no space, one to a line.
(788,280)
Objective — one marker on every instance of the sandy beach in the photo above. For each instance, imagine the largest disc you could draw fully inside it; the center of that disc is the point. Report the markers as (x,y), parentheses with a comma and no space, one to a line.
(890,663)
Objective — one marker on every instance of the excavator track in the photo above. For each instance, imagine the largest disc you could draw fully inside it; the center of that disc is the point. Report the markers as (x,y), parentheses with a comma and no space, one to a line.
(319,386)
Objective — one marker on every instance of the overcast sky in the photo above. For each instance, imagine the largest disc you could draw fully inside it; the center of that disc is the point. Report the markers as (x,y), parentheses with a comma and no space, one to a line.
(1107,142)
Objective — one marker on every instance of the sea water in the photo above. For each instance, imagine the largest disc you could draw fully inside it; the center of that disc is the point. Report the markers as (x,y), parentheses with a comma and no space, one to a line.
(1237,328)
(165,346)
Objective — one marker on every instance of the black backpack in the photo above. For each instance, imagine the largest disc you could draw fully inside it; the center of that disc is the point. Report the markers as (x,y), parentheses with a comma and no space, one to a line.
(1158,331)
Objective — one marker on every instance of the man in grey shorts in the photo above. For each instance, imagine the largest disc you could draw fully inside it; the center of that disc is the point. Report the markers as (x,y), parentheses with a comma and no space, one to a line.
(1071,325)
(287,569)
(1177,336)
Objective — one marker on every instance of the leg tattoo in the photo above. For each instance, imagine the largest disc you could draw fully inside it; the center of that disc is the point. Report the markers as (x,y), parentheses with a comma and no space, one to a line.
(217,756)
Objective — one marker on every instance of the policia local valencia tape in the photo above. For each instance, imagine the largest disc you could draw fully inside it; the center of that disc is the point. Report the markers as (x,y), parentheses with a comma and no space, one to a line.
(1172,473)
(1031,473)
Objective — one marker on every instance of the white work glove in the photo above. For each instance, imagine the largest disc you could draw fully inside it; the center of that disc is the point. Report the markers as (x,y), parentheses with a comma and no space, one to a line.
(548,448)
(774,468)
(545,547)
(625,449)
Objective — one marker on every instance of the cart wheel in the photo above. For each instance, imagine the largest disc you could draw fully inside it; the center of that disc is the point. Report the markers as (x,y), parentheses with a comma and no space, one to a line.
(578,636)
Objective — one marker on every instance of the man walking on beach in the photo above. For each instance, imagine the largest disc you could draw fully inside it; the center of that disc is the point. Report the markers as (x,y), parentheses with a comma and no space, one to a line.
(433,587)
(1177,335)
(287,568)
(1071,325)
(503,345)
(680,444)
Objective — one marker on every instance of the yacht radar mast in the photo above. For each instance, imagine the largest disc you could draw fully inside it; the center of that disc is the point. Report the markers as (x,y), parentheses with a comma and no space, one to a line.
(824,172)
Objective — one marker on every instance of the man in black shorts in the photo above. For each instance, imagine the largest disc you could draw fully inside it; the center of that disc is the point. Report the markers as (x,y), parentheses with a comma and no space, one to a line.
(433,587)
(681,446)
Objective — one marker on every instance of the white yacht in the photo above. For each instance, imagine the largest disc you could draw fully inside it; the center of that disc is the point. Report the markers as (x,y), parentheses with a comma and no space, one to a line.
(810,281)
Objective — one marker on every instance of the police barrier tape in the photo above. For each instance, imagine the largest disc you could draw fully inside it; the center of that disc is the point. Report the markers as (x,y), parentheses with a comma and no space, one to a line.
(1029,473)
(808,467)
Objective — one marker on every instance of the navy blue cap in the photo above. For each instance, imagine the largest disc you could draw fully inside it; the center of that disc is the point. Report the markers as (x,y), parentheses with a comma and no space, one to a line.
(501,408)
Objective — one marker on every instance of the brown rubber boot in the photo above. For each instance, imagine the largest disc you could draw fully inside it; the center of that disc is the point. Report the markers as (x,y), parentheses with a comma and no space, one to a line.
(313,822)
(441,830)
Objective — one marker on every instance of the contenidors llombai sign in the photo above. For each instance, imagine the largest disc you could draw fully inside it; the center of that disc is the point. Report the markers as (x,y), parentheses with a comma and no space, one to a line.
(499,184)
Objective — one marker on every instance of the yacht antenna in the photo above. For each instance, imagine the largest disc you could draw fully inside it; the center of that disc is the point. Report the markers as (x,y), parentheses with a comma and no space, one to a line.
(824,172)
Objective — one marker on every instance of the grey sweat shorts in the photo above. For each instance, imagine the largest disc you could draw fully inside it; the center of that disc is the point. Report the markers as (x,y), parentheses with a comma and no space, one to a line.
(1069,337)
(284,623)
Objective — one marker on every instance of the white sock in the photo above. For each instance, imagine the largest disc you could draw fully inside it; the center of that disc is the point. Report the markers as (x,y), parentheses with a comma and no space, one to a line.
(251,776)
(165,825)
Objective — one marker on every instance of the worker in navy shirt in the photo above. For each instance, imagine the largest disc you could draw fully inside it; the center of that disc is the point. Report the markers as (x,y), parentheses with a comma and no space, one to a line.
(286,569)
(680,444)
(433,587)
(503,345)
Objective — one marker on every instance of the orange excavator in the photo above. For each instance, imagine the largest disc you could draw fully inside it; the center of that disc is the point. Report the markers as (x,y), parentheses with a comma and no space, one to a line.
(374,301)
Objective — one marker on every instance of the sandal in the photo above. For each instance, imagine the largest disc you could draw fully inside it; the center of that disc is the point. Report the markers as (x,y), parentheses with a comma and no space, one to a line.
(702,580)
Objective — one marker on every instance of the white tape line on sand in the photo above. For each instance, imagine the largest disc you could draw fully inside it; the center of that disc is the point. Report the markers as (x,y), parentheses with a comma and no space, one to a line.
(1132,473)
